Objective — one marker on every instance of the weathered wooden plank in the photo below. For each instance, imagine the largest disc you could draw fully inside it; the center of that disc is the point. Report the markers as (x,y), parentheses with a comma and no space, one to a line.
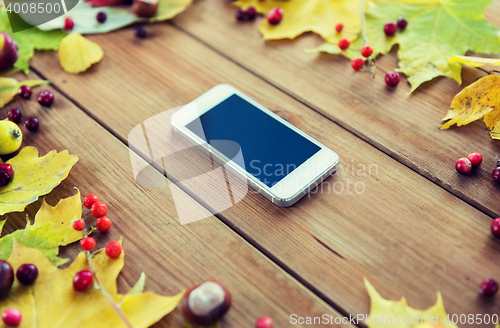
(173,256)
(407,235)
(405,127)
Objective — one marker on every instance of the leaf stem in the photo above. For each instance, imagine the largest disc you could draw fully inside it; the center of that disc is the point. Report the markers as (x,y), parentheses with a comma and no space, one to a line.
(103,291)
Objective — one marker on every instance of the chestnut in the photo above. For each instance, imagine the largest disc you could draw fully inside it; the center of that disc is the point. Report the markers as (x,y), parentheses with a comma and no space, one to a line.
(145,8)
(8,51)
(207,303)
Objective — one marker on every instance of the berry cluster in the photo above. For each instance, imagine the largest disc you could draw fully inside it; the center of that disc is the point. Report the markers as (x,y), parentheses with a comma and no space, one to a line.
(83,279)
(465,165)
(273,16)
(247,15)
(390,28)
(44,98)
(69,24)
(26,274)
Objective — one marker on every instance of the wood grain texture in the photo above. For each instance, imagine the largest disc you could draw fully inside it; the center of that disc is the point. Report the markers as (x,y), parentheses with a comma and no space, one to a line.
(407,235)
(173,257)
(403,126)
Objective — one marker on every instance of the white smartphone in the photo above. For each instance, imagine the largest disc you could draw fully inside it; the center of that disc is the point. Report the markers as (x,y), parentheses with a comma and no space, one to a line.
(274,157)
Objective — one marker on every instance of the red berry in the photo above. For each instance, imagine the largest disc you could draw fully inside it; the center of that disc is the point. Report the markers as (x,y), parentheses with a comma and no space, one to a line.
(339,27)
(264,322)
(24,91)
(101,17)
(344,43)
(32,124)
(87,243)
(68,24)
(357,63)
(114,249)
(99,209)
(475,159)
(6,174)
(392,78)
(82,280)
(402,23)
(89,200)
(140,32)
(103,224)
(366,51)
(251,13)
(496,174)
(6,278)
(274,16)
(9,51)
(45,98)
(489,287)
(14,115)
(390,28)
(495,227)
(241,15)
(11,317)
(79,225)
(463,166)
(26,274)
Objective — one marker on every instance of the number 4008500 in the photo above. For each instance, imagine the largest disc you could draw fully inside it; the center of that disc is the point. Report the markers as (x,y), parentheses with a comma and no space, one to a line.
(33,8)
(472,319)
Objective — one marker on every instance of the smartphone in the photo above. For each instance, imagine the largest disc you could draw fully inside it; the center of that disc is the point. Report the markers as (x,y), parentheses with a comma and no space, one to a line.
(274,157)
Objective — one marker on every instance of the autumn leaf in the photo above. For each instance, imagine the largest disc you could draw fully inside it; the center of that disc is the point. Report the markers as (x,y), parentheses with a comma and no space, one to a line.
(30,40)
(61,217)
(52,302)
(479,100)
(9,87)
(53,227)
(77,53)
(116,17)
(302,16)
(399,309)
(34,177)
(437,31)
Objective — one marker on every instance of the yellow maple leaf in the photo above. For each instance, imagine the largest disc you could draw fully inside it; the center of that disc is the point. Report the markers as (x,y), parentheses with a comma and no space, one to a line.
(61,217)
(9,87)
(53,227)
(52,302)
(77,53)
(34,177)
(300,16)
(407,316)
(475,61)
(478,100)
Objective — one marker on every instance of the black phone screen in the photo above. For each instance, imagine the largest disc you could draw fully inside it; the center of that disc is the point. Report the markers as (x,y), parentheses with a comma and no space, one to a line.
(270,149)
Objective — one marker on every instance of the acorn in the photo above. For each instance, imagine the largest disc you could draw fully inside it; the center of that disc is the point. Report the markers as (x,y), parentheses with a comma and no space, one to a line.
(206,304)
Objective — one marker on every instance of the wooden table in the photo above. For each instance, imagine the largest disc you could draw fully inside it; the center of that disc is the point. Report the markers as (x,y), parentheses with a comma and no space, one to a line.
(418,226)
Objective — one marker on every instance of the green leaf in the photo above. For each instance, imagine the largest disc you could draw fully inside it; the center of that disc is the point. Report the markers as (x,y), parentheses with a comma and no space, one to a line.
(9,87)
(43,238)
(30,40)
(437,31)
(116,17)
